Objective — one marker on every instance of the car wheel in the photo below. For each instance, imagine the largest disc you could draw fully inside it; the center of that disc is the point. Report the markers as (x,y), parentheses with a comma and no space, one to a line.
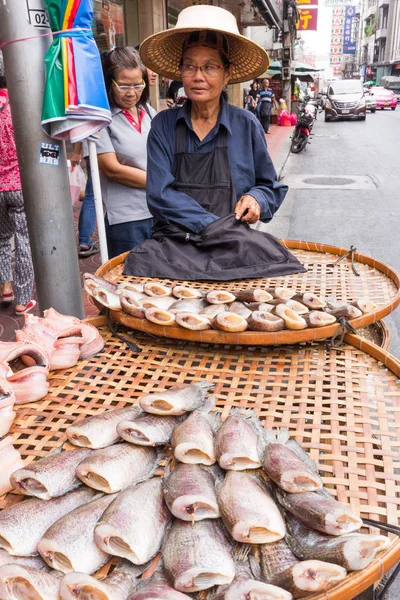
(326,119)
(393,108)
(373,110)
(362,118)
(382,108)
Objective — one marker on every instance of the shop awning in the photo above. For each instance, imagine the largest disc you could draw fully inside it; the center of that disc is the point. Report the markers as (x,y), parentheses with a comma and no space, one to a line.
(298,68)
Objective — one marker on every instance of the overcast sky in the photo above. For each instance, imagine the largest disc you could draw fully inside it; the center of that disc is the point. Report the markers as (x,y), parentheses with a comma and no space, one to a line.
(319,41)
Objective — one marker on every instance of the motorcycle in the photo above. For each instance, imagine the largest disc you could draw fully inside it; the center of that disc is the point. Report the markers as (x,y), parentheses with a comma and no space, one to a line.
(305,121)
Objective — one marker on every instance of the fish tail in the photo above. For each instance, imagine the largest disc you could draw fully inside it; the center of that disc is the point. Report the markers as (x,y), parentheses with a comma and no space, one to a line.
(208,406)
(214,418)
(280,436)
(205,385)
(255,567)
(242,552)
(283,435)
(246,413)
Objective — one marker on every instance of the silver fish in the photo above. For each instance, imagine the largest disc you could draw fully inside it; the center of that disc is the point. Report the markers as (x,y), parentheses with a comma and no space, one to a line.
(107,298)
(213,309)
(292,319)
(280,567)
(285,468)
(240,309)
(160,316)
(353,551)
(182,292)
(248,511)
(132,286)
(189,491)
(229,321)
(100,431)
(366,306)
(253,295)
(137,539)
(155,288)
(220,297)
(193,321)
(265,321)
(238,442)
(207,559)
(117,586)
(157,588)
(92,281)
(23,525)
(18,582)
(68,545)
(131,305)
(194,305)
(348,311)
(193,440)
(163,302)
(319,318)
(311,300)
(283,293)
(148,430)
(114,468)
(50,476)
(177,400)
(298,307)
(26,561)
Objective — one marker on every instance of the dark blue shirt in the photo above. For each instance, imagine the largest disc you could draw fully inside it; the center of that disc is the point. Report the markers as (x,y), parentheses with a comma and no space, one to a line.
(251,166)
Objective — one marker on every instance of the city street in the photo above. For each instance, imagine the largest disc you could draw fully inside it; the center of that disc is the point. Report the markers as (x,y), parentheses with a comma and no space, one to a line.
(366,216)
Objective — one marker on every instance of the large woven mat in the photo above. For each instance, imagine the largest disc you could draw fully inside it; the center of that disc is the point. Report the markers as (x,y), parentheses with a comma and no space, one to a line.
(376,281)
(342,405)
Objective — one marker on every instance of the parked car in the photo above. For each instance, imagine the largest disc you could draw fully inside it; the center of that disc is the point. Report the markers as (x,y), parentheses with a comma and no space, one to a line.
(345,99)
(384,98)
(370,101)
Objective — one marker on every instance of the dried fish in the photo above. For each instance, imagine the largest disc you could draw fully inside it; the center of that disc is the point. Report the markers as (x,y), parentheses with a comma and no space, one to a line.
(7,401)
(131,305)
(160,317)
(193,440)
(162,302)
(117,586)
(154,288)
(265,321)
(253,295)
(192,305)
(348,312)
(147,429)
(292,319)
(10,461)
(213,309)
(240,309)
(366,306)
(229,321)
(100,431)
(107,298)
(92,281)
(27,561)
(183,291)
(284,293)
(193,321)
(310,300)
(238,442)
(220,297)
(298,307)
(157,588)
(319,318)
(177,400)
(18,582)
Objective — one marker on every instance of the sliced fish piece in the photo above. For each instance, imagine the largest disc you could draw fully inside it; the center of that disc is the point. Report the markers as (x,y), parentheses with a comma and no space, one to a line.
(155,288)
(183,291)
(100,431)
(353,551)
(253,295)
(312,301)
(30,384)
(131,305)
(160,316)
(285,468)
(321,512)
(319,318)
(229,321)
(148,430)
(28,561)
(297,307)
(189,491)
(207,559)
(193,321)
(117,586)
(240,309)
(220,297)
(10,461)
(38,332)
(7,412)
(265,321)
(91,281)
(131,286)
(68,544)
(18,582)
(349,312)
(23,525)
(107,298)
(238,442)
(157,588)
(193,440)
(137,539)
(248,511)
(194,305)
(366,306)
(213,309)
(91,343)
(261,306)
(163,302)
(292,319)
(177,400)
(280,567)
(51,476)
(112,469)
(284,293)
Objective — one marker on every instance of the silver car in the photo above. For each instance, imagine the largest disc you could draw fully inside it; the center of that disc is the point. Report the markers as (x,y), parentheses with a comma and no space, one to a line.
(370,101)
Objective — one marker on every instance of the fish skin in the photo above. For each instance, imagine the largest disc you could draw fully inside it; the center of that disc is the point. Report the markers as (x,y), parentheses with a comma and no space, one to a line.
(220,297)
(247,507)
(319,510)
(72,536)
(160,316)
(265,321)
(229,321)
(117,467)
(285,468)
(107,298)
(193,321)
(141,536)
(240,309)
(194,305)
(213,309)
(24,524)
(275,558)
(162,302)
(185,292)
(100,429)
(156,288)
(55,474)
(177,400)
(193,440)
(188,486)
(155,430)
(344,550)
(93,342)
(157,588)
(43,584)
(99,281)
(253,295)
(131,305)
(117,586)
(194,551)
(26,561)
(238,442)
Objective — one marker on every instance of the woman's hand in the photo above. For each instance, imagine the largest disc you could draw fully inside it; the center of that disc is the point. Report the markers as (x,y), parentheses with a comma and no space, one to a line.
(248,209)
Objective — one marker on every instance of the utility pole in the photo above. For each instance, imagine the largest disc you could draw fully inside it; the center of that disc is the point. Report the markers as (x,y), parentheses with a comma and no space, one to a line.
(288,39)
(42,160)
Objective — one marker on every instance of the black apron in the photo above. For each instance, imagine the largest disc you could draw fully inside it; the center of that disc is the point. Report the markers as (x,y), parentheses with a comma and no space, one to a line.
(225,250)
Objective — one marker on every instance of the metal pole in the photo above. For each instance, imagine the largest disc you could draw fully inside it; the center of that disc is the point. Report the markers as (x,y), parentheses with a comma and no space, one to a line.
(98,202)
(42,160)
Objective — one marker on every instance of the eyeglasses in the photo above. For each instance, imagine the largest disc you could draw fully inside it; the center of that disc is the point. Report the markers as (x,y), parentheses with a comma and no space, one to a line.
(210,70)
(138,87)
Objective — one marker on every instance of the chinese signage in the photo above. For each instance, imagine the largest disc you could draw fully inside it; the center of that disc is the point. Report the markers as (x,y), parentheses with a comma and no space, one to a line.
(308,19)
(349,46)
(337,33)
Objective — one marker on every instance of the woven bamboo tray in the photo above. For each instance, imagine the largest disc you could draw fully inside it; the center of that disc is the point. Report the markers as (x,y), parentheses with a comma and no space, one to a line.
(376,281)
(342,405)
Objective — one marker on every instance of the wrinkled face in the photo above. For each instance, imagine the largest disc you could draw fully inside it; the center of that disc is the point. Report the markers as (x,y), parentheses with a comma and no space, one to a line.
(203,85)
(133,79)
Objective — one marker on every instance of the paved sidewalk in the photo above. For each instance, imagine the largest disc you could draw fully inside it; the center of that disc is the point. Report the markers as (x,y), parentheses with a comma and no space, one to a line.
(278,142)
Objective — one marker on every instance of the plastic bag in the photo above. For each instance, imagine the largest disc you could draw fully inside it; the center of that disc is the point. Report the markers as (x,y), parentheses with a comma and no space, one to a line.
(77,183)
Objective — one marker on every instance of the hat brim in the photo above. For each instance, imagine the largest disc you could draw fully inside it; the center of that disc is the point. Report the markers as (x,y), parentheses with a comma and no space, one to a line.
(161,52)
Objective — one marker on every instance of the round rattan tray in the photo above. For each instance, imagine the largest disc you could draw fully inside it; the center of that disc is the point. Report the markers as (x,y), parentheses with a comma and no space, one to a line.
(376,281)
(342,404)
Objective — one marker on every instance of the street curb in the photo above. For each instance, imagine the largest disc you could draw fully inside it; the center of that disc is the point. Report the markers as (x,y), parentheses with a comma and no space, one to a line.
(283,156)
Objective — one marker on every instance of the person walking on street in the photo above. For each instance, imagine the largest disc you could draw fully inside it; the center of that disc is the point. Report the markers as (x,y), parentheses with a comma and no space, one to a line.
(12,216)
(265,102)
(253,96)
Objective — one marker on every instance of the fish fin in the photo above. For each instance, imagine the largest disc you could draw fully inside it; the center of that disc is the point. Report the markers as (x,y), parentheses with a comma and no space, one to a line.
(246,413)
(214,470)
(283,435)
(278,436)
(214,418)
(205,385)
(208,406)
(242,552)
(299,451)
(255,567)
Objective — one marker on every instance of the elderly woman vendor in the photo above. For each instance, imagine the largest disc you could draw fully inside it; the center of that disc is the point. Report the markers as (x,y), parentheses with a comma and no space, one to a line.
(209,172)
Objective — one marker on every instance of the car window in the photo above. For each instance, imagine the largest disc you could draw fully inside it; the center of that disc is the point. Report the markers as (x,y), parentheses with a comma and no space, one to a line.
(345,86)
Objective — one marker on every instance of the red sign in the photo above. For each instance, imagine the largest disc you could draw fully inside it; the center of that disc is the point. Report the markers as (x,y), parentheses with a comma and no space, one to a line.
(309,2)
(308,19)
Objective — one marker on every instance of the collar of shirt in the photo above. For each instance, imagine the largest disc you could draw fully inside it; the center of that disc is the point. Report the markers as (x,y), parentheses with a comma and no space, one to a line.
(223,116)
(141,113)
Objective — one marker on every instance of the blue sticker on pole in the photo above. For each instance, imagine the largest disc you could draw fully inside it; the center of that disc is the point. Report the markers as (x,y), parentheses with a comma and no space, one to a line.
(49,154)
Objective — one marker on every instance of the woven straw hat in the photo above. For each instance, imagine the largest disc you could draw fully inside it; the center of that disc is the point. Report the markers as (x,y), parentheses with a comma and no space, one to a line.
(161,52)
